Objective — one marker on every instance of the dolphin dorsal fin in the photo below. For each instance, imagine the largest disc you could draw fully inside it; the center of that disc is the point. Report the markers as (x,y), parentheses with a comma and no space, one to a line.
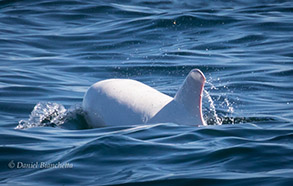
(190,94)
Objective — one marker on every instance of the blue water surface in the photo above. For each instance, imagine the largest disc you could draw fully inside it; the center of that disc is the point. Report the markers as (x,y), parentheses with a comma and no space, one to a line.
(52,51)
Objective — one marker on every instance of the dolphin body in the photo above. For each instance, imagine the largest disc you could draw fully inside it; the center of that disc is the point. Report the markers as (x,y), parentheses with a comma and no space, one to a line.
(117,102)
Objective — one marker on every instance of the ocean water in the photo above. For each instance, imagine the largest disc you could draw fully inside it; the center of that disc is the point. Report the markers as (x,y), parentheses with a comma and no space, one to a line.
(52,51)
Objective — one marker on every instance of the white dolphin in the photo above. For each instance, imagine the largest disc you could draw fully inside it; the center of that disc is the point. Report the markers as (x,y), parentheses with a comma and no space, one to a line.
(116,102)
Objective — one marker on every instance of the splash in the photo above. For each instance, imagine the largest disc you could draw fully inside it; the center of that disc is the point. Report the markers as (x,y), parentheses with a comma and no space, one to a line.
(226,107)
(212,109)
(48,114)
(229,105)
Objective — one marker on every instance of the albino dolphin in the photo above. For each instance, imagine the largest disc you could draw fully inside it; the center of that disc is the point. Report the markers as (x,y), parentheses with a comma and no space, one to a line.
(116,102)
